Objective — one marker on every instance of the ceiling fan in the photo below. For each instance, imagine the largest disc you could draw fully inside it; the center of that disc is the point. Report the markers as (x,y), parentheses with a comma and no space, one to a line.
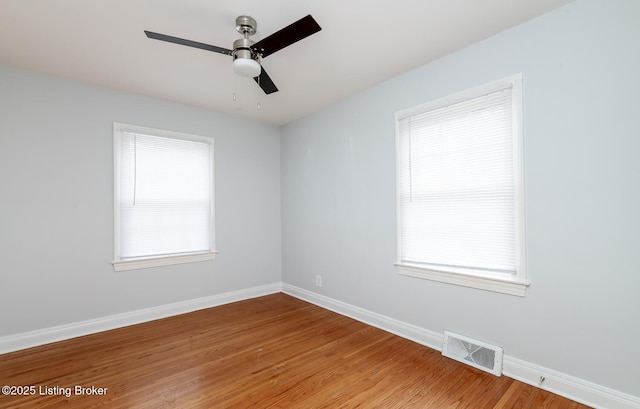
(247,54)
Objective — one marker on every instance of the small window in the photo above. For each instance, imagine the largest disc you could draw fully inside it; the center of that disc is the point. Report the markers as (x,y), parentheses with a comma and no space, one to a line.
(460,189)
(164,190)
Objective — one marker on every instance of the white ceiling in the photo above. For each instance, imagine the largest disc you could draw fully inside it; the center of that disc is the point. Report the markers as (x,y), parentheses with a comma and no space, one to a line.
(361,43)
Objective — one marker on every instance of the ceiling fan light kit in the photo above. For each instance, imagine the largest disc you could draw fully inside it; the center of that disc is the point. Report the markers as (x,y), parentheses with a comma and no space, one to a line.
(248,54)
(245,61)
(247,67)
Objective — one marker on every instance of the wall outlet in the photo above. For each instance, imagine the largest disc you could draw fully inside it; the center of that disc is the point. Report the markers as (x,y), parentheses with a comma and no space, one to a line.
(318,281)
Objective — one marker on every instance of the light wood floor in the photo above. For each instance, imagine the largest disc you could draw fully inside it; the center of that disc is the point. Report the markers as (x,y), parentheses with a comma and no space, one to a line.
(269,352)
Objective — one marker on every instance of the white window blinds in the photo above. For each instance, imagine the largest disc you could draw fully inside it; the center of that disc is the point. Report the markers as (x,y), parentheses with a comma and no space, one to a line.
(457,185)
(164,195)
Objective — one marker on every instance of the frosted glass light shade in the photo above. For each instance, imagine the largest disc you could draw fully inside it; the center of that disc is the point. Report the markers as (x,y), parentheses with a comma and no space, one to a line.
(247,67)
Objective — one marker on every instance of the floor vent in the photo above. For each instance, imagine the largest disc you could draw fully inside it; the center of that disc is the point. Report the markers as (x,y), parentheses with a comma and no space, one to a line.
(473,352)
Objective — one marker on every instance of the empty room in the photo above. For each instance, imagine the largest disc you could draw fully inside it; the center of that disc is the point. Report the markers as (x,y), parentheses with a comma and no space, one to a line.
(272,204)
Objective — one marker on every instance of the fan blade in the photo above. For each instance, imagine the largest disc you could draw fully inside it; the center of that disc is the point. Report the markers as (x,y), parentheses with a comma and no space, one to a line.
(290,34)
(188,43)
(265,82)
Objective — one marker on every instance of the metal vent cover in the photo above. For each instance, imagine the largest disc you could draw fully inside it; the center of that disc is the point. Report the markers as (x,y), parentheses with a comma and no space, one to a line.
(478,354)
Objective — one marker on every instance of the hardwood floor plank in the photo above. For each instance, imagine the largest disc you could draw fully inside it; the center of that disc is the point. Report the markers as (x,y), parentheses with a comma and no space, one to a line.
(268,352)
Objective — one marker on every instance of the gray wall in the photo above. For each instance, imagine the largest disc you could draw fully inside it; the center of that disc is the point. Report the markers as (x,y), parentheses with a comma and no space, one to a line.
(56,206)
(581,315)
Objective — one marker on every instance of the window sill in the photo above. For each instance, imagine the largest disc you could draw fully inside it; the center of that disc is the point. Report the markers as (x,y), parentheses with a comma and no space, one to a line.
(134,264)
(496,284)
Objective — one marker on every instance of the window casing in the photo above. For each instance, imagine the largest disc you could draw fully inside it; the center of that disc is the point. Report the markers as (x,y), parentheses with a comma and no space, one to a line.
(163,197)
(460,189)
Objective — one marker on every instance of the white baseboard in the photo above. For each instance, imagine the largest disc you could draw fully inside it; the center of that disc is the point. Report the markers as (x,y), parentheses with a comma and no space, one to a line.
(59,333)
(579,390)
(414,333)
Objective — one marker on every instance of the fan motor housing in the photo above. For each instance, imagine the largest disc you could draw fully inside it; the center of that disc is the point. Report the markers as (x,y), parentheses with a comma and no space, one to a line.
(242,49)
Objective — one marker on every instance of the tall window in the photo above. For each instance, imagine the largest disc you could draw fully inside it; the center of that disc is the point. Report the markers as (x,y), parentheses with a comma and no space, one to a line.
(164,208)
(460,189)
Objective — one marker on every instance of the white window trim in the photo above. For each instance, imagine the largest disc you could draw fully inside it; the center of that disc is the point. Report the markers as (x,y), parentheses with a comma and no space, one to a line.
(147,262)
(484,280)
(134,264)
